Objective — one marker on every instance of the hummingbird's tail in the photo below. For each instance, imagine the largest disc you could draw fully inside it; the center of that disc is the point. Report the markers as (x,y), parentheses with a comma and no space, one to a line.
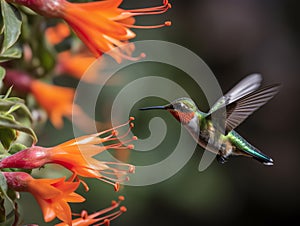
(247,149)
(264,159)
(258,155)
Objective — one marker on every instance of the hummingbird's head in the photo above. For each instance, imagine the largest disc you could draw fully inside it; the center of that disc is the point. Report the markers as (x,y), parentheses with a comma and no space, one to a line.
(183,109)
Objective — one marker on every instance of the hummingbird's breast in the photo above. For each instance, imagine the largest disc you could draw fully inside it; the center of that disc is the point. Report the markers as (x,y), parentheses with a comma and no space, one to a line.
(193,125)
(183,117)
(206,135)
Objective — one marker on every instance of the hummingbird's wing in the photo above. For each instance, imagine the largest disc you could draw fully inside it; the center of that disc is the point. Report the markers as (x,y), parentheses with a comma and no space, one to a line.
(244,87)
(239,110)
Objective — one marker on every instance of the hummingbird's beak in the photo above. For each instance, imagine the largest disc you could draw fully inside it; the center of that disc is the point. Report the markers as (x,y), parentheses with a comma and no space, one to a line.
(153,108)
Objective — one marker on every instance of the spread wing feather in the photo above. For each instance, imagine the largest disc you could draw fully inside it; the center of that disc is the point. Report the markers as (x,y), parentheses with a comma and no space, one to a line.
(244,87)
(242,100)
(239,110)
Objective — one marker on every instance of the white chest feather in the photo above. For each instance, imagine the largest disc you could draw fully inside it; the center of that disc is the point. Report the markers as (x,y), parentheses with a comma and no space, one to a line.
(193,125)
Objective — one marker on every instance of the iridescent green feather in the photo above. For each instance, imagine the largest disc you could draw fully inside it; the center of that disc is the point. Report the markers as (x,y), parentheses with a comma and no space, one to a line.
(240,143)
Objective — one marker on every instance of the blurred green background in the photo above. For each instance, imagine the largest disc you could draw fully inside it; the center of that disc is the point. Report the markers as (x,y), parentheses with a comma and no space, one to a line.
(235,38)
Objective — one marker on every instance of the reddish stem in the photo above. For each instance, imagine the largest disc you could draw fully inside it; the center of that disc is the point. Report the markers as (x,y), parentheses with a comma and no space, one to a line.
(19,80)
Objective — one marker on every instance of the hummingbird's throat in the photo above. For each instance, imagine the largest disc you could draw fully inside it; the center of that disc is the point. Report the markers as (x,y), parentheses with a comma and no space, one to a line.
(183,117)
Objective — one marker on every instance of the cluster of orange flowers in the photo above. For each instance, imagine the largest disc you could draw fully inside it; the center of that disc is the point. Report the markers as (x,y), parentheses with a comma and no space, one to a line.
(103,27)
(76,155)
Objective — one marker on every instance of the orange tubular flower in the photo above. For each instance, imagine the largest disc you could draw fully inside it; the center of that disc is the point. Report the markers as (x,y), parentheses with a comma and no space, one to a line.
(77,156)
(57,34)
(98,218)
(52,195)
(56,100)
(74,64)
(101,25)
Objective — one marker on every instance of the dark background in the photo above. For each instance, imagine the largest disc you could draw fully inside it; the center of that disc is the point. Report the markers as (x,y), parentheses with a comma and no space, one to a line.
(235,38)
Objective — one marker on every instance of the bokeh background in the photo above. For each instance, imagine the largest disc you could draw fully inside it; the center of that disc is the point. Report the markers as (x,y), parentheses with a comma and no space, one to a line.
(235,38)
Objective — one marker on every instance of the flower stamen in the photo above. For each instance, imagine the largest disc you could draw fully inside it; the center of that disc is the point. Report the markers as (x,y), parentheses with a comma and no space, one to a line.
(102,217)
(166,23)
(152,10)
(114,129)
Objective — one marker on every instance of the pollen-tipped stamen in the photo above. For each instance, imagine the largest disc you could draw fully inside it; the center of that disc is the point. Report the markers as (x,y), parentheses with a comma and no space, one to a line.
(115,128)
(115,184)
(128,168)
(131,58)
(114,135)
(115,176)
(75,177)
(152,10)
(165,24)
(105,220)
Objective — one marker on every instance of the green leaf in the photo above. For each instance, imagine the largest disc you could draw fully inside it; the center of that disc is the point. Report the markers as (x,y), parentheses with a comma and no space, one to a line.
(8,93)
(3,185)
(7,122)
(12,53)
(4,195)
(10,219)
(14,105)
(16,148)
(2,73)
(2,211)
(11,24)
(7,137)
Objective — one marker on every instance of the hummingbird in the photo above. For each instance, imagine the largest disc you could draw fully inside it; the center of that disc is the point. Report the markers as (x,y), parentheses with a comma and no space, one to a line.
(218,136)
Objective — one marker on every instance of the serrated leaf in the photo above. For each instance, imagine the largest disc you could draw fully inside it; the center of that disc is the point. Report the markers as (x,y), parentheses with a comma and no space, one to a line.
(11,24)
(6,122)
